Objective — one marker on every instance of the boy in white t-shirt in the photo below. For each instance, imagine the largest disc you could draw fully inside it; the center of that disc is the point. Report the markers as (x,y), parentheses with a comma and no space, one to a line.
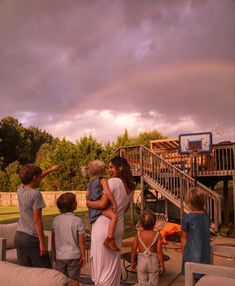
(68,239)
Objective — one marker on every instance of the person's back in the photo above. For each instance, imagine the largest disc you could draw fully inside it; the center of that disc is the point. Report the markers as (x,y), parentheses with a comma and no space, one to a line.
(148,244)
(68,238)
(198,237)
(147,241)
(195,237)
(28,200)
(29,239)
(66,227)
(95,192)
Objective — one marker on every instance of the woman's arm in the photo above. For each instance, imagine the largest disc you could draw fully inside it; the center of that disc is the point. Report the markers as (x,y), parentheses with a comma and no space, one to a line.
(184,236)
(99,204)
(133,253)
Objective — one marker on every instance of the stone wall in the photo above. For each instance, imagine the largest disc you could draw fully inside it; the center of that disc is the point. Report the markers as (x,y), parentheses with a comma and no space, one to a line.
(10,199)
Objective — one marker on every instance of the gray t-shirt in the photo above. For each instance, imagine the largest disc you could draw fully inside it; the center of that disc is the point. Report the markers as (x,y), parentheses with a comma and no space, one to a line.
(28,200)
(66,228)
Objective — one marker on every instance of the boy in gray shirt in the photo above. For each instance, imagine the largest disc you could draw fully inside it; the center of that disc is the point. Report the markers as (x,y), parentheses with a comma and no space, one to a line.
(29,239)
(68,238)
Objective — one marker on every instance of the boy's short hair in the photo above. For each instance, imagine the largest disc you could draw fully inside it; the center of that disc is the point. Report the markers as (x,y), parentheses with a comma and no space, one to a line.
(27,172)
(65,202)
(147,219)
(195,199)
(95,168)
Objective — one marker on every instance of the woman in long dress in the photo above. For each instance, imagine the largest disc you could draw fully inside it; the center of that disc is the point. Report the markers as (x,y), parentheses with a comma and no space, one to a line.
(105,263)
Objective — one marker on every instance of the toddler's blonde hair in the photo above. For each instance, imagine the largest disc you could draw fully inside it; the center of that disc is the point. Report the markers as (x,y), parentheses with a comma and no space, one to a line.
(95,168)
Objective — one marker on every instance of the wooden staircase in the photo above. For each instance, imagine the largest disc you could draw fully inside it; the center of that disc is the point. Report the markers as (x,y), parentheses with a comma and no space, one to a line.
(168,180)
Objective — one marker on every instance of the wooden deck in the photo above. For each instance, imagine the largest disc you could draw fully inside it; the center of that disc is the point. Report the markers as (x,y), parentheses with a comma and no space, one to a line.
(219,163)
(168,180)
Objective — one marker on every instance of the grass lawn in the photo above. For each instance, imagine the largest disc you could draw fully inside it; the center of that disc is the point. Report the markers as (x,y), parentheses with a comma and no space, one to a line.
(11,214)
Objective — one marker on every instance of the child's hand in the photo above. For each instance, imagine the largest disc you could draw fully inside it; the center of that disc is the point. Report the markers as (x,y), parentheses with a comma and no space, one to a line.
(43,249)
(54,168)
(82,262)
(114,207)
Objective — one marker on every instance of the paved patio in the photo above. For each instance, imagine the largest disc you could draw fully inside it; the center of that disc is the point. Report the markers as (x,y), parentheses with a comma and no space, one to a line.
(172,275)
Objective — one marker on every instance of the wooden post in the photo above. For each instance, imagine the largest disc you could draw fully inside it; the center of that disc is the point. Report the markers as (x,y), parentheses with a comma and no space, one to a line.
(181,202)
(142,193)
(166,207)
(132,210)
(234,202)
(141,179)
(226,202)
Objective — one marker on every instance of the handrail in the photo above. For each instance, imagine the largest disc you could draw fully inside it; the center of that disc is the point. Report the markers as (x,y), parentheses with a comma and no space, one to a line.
(171,166)
(168,179)
(221,161)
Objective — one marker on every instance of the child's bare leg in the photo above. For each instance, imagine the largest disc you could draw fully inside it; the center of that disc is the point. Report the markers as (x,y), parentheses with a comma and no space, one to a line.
(74,282)
(109,242)
(113,217)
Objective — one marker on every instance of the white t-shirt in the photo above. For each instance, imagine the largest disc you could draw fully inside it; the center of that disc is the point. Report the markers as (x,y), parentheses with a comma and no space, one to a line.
(67,227)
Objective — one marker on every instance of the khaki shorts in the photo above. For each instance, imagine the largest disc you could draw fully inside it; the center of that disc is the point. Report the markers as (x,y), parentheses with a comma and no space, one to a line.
(69,267)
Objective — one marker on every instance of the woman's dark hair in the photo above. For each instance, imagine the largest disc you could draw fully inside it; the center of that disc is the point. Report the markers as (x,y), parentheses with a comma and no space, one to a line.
(123,171)
(65,202)
(27,172)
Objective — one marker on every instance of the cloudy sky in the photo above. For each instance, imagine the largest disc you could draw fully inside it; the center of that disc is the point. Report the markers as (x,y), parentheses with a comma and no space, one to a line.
(75,67)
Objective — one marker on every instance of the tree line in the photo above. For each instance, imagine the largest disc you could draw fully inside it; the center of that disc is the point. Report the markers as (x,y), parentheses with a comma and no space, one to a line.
(20,145)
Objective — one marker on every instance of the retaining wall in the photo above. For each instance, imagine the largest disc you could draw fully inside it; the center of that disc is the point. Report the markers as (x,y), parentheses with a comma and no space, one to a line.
(10,199)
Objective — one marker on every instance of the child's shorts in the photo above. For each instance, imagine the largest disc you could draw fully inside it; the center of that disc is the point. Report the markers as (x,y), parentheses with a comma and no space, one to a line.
(69,267)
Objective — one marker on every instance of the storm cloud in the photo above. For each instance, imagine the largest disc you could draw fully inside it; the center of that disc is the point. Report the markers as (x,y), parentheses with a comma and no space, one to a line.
(74,67)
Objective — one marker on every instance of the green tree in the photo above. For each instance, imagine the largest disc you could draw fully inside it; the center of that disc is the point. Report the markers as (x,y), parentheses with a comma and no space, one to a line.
(12,171)
(64,154)
(32,140)
(122,140)
(88,149)
(144,138)
(43,154)
(19,143)
(4,182)
(11,133)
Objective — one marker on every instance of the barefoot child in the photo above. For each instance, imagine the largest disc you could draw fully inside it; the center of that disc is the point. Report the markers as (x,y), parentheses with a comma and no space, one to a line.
(68,239)
(96,187)
(150,255)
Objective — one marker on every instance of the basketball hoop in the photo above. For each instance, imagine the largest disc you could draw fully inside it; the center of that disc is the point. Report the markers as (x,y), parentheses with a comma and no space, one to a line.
(199,142)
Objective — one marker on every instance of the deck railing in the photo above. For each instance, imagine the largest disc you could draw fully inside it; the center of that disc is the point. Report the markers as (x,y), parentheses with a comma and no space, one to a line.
(219,163)
(165,178)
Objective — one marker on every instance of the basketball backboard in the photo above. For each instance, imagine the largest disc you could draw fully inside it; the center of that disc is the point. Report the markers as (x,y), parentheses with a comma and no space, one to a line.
(195,142)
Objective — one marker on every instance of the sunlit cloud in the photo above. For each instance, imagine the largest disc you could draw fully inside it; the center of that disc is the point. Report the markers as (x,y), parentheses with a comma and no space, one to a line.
(165,65)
